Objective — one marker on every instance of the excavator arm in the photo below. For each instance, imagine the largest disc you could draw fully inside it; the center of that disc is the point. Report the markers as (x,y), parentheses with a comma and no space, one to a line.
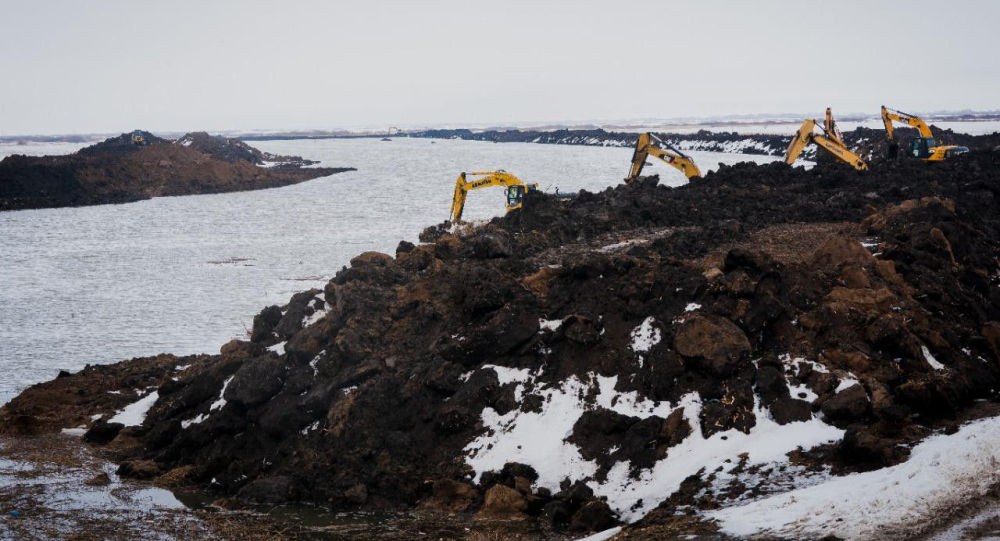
(890,115)
(651,145)
(806,136)
(489,178)
(799,141)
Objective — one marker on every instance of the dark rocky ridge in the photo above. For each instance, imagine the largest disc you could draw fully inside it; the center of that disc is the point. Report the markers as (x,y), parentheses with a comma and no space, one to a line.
(118,171)
(372,405)
(869,143)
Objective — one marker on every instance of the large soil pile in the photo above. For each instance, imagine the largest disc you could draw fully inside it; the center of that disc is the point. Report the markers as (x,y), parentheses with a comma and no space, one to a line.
(117,170)
(596,360)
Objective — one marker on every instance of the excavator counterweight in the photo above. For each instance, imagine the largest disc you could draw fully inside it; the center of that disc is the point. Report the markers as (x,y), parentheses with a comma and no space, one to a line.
(651,145)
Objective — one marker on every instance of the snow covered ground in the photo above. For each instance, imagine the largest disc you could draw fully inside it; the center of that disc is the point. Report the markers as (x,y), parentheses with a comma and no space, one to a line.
(539,439)
(944,472)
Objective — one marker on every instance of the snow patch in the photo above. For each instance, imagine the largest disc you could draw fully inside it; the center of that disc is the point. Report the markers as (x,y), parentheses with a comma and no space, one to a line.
(135,413)
(944,472)
(602,536)
(644,337)
(539,439)
(550,325)
(278,348)
(217,405)
(845,384)
(767,442)
(930,359)
(315,316)
(691,307)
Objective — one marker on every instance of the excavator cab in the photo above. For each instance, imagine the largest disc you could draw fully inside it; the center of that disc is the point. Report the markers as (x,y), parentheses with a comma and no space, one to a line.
(921,147)
(515,195)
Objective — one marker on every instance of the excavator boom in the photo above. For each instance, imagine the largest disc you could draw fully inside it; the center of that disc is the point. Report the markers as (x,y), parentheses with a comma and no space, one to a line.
(890,115)
(805,136)
(651,145)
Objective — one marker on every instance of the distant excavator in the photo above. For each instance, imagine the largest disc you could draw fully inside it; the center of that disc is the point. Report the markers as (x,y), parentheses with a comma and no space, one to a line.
(924,146)
(138,139)
(515,190)
(649,144)
(830,139)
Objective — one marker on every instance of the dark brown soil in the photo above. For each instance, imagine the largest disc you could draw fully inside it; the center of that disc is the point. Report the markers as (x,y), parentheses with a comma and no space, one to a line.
(370,406)
(118,171)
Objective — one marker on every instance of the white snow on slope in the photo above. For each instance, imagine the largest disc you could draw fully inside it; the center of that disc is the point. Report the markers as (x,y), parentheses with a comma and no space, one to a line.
(316,315)
(935,364)
(943,471)
(551,325)
(767,442)
(644,337)
(218,404)
(538,439)
(278,348)
(135,413)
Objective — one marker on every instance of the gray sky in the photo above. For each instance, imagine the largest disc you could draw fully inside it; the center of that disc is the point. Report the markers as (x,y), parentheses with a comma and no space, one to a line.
(110,66)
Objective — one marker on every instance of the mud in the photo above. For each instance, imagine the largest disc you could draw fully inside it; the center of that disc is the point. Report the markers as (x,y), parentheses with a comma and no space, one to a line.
(118,171)
(870,299)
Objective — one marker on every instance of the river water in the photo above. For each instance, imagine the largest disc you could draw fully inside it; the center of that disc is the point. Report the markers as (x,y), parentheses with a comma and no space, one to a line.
(186,274)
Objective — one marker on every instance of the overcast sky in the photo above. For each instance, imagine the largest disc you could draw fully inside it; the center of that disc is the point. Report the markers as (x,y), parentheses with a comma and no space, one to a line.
(75,67)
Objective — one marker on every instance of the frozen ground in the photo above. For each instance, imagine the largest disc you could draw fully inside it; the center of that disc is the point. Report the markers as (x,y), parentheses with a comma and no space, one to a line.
(186,274)
(943,473)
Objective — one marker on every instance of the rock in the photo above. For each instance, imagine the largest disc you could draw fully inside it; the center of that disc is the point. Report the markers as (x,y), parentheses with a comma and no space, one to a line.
(490,246)
(450,496)
(594,516)
(99,480)
(102,432)
(139,469)
(790,410)
(719,345)
(838,250)
(861,444)
(847,405)
(256,381)
(502,502)
(377,259)
(264,323)
(581,329)
(269,490)
(356,495)
(404,247)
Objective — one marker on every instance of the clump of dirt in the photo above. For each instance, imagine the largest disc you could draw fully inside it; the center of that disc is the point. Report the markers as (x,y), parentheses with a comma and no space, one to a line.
(119,170)
(868,302)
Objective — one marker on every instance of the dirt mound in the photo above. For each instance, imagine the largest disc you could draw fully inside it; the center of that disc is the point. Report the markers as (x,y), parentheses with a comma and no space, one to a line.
(233,151)
(563,360)
(119,170)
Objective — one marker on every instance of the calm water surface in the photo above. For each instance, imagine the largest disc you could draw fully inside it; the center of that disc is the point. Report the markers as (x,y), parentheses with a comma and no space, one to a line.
(186,274)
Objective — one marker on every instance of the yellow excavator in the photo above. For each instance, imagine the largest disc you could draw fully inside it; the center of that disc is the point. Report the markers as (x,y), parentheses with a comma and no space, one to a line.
(924,146)
(649,144)
(830,140)
(515,189)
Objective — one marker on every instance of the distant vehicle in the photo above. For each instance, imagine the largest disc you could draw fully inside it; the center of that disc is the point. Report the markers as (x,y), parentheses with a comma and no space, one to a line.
(923,147)
(138,139)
